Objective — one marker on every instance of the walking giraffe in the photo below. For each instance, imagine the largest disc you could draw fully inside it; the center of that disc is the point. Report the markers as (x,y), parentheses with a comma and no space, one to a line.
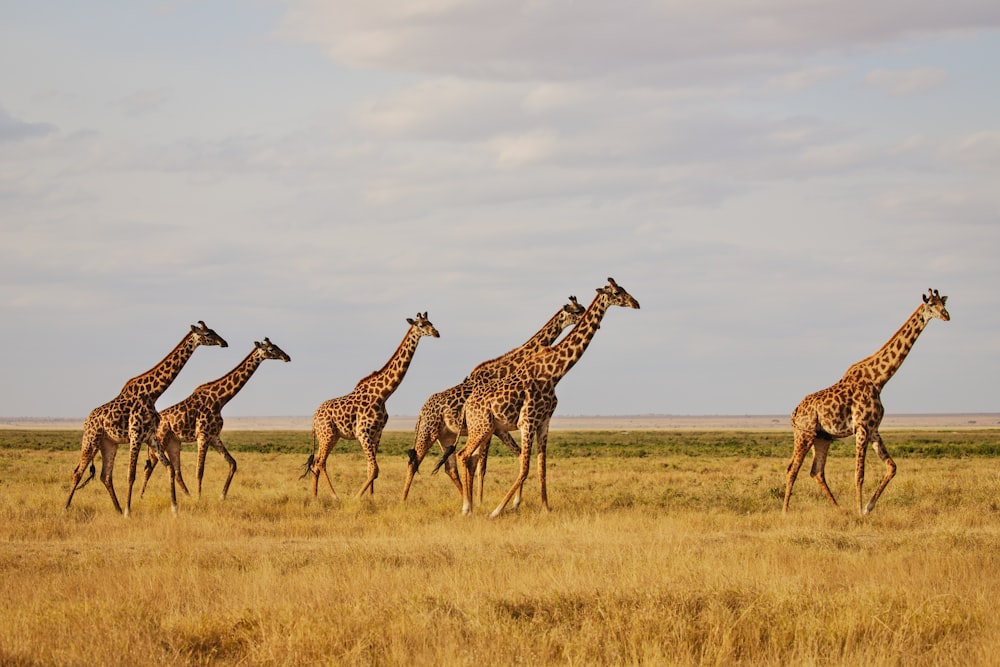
(198,418)
(361,414)
(526,400)
(854,406)
(440,417)
(132,417)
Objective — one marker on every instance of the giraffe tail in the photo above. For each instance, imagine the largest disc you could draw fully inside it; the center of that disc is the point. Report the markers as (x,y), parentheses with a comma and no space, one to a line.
(444,457)
(93,472)
(307,468)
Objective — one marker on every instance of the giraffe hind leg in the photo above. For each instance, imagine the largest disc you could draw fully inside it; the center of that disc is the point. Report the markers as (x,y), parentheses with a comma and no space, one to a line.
(821,448)
(415,456)
(317,465)
(108,450)
(803,443)
(87,454)
(151,461)
(232,467)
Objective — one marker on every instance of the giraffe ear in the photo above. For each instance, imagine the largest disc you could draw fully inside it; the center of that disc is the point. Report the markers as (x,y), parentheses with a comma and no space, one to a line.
(411,321)
(926,299)
(258,344)
(944,299)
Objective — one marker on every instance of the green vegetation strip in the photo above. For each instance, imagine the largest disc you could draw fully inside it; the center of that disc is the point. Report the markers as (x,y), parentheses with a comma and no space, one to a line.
(959,443)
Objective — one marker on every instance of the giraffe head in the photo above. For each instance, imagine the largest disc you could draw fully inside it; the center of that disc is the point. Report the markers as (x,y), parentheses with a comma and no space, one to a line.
(571,313)
(268,350)
(934,306)
(423,325)
(202,335)
(617,296)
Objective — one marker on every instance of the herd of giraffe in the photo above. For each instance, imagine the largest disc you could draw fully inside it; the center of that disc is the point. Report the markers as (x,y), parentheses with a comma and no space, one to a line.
(515,391)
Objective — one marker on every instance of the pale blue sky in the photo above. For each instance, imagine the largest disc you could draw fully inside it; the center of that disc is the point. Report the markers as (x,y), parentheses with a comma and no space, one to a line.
(777,183)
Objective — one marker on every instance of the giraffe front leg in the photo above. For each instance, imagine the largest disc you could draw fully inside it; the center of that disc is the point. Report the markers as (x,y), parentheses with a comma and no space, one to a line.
(467,459)
(202,453)
(890,470)
(370,447)
(543,437)
(527,438)
(481,461)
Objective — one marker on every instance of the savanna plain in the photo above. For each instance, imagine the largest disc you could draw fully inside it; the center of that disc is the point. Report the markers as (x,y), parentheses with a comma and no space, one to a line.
(663,548)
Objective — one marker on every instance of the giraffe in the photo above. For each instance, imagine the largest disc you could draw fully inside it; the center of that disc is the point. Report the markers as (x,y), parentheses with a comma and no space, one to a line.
(361,414)
(439,417)
(854,406)
(526,400)
(198,418)
(132,417)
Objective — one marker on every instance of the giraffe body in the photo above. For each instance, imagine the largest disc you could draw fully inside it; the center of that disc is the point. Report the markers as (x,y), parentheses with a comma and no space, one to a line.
(853,406)
(361,415)
(198,418)
(441,420)
(132,418)
(526,399)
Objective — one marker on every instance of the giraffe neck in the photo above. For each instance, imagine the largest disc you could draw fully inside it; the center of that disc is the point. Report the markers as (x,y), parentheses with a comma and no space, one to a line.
(507,363)
(155,381)
(554,362)
(881,366)
(222,390)
(383,382)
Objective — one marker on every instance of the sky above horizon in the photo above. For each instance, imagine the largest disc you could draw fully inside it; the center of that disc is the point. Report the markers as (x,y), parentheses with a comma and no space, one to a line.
(777,183)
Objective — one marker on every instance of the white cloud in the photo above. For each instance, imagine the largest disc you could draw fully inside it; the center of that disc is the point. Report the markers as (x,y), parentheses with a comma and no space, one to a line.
(142,102)
(14,129)
(906,82)
(806,78)
(591,39)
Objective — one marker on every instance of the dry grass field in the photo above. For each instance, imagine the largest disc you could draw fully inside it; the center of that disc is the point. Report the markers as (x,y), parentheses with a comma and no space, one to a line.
(662,548)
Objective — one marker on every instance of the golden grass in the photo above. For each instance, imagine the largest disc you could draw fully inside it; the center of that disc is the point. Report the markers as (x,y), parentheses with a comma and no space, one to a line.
(644,560)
